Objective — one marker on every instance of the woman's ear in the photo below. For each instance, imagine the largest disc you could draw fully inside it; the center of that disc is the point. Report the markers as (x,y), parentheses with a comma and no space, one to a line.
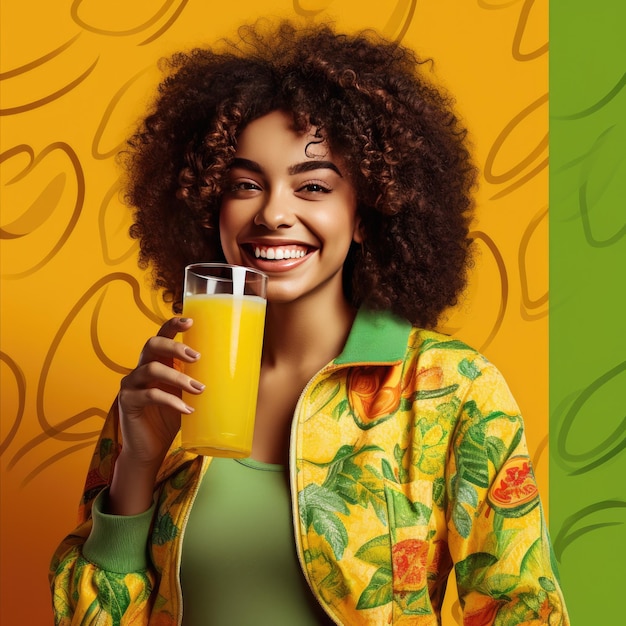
(358,235)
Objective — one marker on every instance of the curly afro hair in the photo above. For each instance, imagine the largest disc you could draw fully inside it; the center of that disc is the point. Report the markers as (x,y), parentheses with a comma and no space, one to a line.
(397,134)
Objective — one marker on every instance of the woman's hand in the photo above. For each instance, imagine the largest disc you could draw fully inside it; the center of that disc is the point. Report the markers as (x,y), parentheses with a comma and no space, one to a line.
(150,407)
(150,401)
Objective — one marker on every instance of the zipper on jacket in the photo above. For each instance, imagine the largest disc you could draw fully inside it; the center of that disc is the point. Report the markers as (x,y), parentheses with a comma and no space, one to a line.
(293,488)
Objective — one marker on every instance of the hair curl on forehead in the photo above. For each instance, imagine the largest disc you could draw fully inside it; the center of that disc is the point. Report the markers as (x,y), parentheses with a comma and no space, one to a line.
(374,104)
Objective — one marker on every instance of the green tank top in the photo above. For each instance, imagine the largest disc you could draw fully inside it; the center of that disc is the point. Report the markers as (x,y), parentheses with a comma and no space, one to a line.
(239,565)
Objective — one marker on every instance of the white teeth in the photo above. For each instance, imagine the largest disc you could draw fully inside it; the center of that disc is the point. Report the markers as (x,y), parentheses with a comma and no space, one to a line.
(278,254)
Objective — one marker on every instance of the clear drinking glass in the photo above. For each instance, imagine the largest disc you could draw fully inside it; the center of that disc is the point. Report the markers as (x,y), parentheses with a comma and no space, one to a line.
(227,304)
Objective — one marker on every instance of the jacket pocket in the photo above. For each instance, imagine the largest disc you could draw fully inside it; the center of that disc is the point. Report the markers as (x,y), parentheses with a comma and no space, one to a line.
(414,549)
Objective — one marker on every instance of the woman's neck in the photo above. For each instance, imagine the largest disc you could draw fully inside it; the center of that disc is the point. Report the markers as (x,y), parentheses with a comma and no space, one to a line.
(301,337)
(304,336)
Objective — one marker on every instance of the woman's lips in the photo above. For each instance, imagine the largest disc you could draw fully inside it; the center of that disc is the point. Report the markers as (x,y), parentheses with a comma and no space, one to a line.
(276,257)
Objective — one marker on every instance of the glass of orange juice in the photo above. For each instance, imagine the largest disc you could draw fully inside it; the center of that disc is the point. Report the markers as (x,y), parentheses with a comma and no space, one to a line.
(227,305)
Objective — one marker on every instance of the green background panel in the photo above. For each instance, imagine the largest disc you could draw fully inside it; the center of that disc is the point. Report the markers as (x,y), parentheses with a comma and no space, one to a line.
(587,302)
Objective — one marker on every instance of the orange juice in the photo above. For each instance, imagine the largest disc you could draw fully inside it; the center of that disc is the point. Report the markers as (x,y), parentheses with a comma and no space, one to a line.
(227,330)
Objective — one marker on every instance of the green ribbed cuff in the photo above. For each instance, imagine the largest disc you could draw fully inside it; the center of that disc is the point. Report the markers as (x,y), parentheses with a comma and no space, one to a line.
(118,543)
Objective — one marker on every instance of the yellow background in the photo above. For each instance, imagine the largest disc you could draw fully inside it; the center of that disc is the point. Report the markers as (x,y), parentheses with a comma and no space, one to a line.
(76,310)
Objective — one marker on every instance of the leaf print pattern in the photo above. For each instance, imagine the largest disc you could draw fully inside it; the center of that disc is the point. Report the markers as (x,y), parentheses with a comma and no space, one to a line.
(109,598)
(433,343)
(471,572)
(401,472)
(322,394)
(318,509)
(356,484)
(112,592)
(379,591)
(403,512)
(445,470)
(165,530)
(331,582)
(429,444)
(469,369)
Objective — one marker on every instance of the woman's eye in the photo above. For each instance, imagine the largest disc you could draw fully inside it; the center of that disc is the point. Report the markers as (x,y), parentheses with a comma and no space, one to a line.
(315,188)
(243,185)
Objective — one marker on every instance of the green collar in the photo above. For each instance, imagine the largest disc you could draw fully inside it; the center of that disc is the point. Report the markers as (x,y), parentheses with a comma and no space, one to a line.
(375,337)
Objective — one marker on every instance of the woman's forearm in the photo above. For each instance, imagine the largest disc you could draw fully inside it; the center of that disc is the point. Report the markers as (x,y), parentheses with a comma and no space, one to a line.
(131,488)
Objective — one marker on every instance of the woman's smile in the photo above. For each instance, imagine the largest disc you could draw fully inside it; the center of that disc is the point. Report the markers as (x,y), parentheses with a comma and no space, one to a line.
(272,256)
(279,252)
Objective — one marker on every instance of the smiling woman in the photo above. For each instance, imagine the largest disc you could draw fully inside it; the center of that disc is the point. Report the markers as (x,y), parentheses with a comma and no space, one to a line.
(367,101)
(385,455)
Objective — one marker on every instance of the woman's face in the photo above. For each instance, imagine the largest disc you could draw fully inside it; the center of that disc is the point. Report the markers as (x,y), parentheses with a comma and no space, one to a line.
(289,209)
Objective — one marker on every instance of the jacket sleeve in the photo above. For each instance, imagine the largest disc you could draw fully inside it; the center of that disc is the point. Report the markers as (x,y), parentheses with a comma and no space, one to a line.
(498,540)
(101,571)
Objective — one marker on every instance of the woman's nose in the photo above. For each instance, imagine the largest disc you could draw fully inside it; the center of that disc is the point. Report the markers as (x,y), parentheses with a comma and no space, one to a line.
(276,212)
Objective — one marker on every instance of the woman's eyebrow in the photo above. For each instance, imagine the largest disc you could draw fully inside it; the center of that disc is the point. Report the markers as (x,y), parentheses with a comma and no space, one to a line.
(246,164)
(309,166)
(298,168)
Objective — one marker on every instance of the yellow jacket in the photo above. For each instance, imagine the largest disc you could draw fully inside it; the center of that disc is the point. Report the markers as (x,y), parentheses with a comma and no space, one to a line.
(407,459)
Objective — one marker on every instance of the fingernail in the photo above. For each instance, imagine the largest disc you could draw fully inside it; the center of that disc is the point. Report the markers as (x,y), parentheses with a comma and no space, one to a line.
(196,385)
(183,320)
(189,409)
(192,353)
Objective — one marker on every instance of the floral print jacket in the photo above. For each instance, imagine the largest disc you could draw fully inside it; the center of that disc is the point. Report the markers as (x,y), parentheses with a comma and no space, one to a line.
(407,460)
